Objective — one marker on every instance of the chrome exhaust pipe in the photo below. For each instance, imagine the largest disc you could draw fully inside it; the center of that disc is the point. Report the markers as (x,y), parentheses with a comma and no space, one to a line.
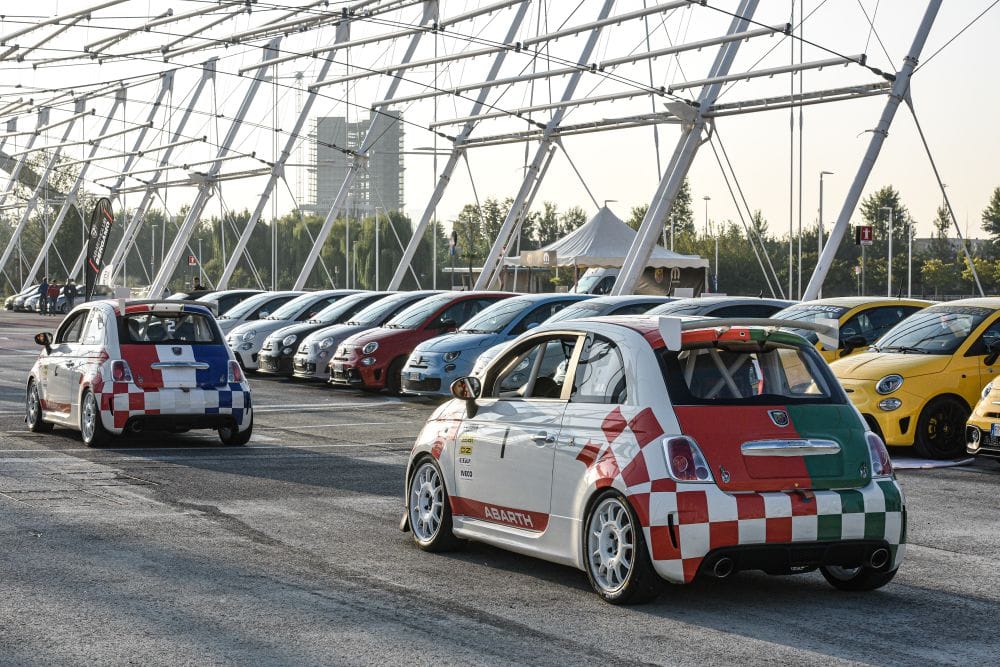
(723,567)
(879,558)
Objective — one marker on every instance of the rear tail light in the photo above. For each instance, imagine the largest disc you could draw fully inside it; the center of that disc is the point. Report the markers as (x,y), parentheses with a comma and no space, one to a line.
(235,372)
(120,372)
(685,461)
(881,463)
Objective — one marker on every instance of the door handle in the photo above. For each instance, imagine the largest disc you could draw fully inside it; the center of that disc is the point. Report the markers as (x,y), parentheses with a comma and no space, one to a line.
(543,438)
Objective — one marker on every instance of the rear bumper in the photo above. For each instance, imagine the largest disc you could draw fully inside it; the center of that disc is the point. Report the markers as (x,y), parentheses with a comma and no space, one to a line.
(175,423)
(794,557)
(124,403)
(695,521)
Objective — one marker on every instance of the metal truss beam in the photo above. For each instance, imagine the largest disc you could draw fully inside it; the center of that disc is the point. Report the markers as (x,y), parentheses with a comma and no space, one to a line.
(768,72)
(205,189)
(680,162)
(786,101)
(15,173)
(375,131)
(409,32)
(114,265)
(457,150)
(539,164)
(82,13)
(29,207)
(900,88)
(71,196)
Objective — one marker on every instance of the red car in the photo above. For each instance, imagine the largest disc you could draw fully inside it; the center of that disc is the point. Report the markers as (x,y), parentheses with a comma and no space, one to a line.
(373,359)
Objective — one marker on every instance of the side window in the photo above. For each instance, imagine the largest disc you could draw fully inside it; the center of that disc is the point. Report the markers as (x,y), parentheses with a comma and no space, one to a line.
(268,308)
(989,338)
(537,316)
(71,329)
(605,285)
(93,332)
(858,325)
(227,302)
(538,371)
(452,316)
(633,309)
(600,374)
(883,319)
(311,311)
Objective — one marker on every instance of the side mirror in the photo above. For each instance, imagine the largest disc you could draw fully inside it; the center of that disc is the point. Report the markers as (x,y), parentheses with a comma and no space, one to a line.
(531,325)
(852,343)
(45,340)
(262,314)
(448,323)
(467,389)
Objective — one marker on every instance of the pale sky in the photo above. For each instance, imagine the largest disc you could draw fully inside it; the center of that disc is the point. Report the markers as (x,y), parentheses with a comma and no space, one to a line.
(954,97)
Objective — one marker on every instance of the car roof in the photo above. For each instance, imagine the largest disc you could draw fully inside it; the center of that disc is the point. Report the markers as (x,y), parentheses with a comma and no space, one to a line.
(649,328)
(991,302)
(855,301)
(624,299)
(548,296)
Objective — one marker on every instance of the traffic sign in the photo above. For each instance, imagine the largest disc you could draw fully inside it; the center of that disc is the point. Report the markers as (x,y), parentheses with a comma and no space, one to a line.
(863,235)
(192,260)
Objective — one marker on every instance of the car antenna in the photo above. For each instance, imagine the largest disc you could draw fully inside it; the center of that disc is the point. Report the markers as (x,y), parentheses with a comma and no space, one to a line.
(760,294)
(899,295)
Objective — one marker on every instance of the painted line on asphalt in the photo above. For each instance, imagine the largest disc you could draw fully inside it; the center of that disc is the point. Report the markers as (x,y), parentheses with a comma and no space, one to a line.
(297,428)
(8,454)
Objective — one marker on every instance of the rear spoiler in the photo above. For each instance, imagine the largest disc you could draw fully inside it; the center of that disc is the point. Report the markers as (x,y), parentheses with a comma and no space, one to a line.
(828,330)
(160,305)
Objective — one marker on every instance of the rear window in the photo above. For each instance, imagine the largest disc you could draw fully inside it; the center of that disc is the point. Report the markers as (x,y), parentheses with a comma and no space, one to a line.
(167,329)
(748,374)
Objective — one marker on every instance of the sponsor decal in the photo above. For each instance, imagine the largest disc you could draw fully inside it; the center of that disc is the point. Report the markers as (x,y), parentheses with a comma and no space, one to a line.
(465,449)
(467,439)
(465,473)
(508,516)
(464,460)
(524,519)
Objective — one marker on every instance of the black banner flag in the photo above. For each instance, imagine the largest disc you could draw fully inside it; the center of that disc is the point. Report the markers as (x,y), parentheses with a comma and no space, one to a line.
(100,229)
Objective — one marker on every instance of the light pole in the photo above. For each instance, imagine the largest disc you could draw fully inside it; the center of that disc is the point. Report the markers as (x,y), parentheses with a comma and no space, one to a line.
(376,248)
(909,259)
(888,291)
(715,286)
(707,199)
(819,234)
(201,272)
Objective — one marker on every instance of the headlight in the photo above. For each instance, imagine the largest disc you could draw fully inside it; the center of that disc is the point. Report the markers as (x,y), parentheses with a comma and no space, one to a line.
(986,390)
(249,336)
(889,384)
(326,343)
(889,404)
(451,356)
(289,340)
(369,348)
(368,361)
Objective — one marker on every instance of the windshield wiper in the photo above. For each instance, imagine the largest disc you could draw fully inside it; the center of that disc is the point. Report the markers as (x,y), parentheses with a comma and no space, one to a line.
(475,331)
(905,349)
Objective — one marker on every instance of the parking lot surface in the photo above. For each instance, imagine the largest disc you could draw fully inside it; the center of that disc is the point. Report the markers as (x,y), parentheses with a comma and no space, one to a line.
(169,549)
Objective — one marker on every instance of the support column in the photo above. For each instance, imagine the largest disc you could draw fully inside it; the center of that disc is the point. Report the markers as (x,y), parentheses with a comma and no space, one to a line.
(900,88)
(683,156)
(522,202)
(456,152)
(173,256)
(43,119)
(371,137)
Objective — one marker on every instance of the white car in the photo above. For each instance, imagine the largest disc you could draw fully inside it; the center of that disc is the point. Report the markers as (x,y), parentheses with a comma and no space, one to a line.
(254,308)
(115,367)
(645,449)
(247,339)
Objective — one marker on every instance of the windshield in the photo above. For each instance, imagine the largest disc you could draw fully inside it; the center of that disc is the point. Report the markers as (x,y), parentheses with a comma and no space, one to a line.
(574,312)
(164,328)
(244,307)
(292,308)
(415,315)
(375,314)
(586,283)
(935,330)
(677,308)
(810,313)
(340,308)
(496,317)
(747,374)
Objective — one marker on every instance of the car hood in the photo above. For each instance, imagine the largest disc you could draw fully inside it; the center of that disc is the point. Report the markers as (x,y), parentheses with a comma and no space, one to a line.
(381,335)
(262,327)
(460,342)
(338,331)
(299,329)
(876,365)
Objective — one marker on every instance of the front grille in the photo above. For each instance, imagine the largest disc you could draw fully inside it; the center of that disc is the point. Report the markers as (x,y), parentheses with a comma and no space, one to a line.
(430,384)
(305,367)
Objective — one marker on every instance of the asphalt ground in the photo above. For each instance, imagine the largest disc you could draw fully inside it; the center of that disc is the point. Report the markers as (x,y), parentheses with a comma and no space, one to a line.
(173,549)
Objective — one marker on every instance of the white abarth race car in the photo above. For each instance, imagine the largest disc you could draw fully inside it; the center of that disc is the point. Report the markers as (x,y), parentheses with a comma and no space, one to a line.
(116,366)
(645,449)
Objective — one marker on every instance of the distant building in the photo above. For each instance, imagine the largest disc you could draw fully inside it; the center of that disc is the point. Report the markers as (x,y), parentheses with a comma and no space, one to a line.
(379,185)
(976,246)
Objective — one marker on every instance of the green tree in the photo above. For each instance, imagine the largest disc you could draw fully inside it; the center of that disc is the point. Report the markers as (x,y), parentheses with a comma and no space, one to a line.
(991,218)
(548,228)
(876,209)
(940,247)
(572,219)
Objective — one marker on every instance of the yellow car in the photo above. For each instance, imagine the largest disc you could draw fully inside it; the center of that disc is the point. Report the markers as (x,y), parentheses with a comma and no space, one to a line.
(918,384)
(983,430)
(862,319)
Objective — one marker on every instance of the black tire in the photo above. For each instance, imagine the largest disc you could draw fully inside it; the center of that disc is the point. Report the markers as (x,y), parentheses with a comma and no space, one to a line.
(428,508)
(394,376)
(941,428)
(620,535)
(235,438)
(92,430)
(857,579)
(33,410)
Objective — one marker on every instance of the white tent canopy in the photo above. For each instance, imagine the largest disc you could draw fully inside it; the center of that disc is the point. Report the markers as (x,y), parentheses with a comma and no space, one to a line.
(603,241)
